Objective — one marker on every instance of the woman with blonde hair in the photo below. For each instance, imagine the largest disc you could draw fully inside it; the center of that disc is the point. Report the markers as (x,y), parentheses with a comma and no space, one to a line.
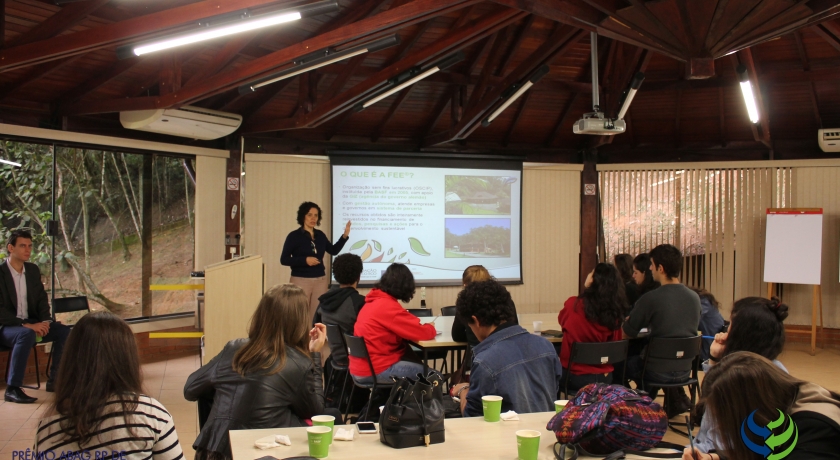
(272,379)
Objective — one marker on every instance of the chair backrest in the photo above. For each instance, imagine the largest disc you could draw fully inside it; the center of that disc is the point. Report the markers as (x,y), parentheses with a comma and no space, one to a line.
(420,312)
(597,353)
(70,304)
(335,336)
(448,311)
(357,348)
(672,355)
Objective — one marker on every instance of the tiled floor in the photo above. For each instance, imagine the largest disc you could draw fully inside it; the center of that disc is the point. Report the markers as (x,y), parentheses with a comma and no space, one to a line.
(165,380)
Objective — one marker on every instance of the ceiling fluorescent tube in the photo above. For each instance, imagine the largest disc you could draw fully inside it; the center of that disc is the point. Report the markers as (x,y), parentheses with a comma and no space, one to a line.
(229,28)
(747,91)
(631,93)
(413,76)
(519,91)
(16,165)
(320,59)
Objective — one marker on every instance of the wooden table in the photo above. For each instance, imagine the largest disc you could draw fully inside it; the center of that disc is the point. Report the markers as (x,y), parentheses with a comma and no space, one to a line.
(466,438)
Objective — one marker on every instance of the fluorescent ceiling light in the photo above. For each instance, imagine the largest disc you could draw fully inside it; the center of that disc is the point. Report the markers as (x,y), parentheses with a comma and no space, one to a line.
(320,59)
(16,165)
(541,72)
(747,91)
(224,30)
(399,86)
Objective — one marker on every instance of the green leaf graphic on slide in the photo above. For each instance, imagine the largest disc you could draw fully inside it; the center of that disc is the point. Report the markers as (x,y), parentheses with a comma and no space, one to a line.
(390,251)
(376,245)
(358,244)
(402,255)
(392,260)
(417,247)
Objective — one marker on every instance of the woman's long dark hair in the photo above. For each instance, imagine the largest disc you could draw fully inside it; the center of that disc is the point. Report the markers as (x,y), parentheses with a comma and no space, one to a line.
(100,363)
(624,264)
(757,326)
(741,383)
(604,301)
(642,264)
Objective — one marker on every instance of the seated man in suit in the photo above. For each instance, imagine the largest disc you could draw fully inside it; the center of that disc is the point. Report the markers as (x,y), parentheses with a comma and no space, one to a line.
(25,315)
(510,362)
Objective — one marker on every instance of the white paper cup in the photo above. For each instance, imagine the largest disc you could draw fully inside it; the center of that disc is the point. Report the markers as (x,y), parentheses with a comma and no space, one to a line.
(537,326)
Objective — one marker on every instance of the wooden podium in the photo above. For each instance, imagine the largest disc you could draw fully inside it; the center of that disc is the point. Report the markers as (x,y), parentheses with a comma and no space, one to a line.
(232,291)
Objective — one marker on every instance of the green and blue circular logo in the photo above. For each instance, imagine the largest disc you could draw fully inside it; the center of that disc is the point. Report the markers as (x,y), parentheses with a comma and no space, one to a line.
(779,436)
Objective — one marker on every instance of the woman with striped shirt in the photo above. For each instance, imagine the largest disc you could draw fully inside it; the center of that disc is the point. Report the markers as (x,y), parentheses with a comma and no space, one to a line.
(99,409)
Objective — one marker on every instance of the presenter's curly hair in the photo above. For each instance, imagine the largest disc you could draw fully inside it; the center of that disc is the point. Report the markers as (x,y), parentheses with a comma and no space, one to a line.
(303,210)
(488,301)
(347,268)
(398,282)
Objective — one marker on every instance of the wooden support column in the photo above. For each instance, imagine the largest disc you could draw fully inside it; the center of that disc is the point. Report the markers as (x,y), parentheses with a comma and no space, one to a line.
(2,23)
(588,217)
(146,234)
(233,231)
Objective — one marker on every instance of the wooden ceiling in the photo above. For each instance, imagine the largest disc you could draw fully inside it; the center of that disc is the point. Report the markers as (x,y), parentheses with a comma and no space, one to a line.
(59,69)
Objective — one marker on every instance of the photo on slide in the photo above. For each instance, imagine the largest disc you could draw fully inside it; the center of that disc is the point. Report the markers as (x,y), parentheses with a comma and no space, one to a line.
(477,195)
(477,238)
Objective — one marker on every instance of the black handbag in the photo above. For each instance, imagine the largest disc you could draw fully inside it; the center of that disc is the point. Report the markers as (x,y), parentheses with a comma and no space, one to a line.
(414,413)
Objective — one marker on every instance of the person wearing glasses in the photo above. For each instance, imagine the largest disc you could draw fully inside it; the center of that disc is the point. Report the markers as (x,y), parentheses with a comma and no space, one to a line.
(304,251)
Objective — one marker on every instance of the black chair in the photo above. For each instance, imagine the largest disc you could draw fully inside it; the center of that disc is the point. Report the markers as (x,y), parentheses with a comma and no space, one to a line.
(595,354)
(37,371)
(447,311)
(67,305)
(335,335)
(420,312)
(674,355)
(357,348)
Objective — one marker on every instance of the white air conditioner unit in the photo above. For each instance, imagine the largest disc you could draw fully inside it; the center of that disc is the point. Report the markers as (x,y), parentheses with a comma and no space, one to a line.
(188,121)
(829,139)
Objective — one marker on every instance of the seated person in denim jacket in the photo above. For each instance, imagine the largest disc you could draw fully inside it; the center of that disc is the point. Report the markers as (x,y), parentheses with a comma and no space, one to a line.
(509,361)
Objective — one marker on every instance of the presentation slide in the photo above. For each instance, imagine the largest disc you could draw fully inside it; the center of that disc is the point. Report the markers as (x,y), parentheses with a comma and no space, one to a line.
(437,221)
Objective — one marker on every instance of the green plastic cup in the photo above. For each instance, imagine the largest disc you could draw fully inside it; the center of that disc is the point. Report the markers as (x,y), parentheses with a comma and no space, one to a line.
(528,444)
(560,404)
(319,442)
(492,406)
(325,420)
(38,338)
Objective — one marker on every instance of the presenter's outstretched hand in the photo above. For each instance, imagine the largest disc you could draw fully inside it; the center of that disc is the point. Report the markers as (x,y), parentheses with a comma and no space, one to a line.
(312,261)
(317,337)
(347,229)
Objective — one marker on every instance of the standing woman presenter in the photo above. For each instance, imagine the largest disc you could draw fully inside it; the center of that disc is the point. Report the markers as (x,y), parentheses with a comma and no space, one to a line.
(304,251)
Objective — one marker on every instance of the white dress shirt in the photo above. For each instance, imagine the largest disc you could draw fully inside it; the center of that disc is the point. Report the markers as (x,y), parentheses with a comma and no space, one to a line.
(20,289)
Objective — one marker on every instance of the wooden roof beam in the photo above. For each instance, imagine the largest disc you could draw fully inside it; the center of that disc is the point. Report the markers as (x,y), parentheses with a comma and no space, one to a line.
(64,19)
(377,132)
(36,74)
(554,134)
(96,81)
(556,45)
(516,118)
(829,37)
(118,32)
(449,43)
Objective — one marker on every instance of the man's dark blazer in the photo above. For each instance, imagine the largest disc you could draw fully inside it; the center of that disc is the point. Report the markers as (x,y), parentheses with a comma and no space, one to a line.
(38,302)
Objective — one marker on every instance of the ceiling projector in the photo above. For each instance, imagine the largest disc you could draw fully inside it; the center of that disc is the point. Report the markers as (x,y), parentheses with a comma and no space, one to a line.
(596,123)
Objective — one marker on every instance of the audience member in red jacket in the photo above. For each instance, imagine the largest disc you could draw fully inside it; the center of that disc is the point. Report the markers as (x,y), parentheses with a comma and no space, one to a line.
(386,326)
(594,316)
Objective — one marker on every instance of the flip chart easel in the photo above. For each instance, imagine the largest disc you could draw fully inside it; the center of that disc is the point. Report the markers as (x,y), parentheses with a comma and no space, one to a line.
(793,255)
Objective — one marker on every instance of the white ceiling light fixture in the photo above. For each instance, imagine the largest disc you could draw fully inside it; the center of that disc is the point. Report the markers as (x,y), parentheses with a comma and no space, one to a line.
(228,25)
(12,163)
(747,91)
(412,76)
(318,59)
(513,93)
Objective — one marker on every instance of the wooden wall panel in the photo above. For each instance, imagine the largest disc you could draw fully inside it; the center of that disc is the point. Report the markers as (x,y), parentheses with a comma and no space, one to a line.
(275,185)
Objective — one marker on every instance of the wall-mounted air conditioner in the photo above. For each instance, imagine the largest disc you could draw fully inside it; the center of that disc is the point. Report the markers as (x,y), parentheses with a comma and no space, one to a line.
(187,121)
(829,139)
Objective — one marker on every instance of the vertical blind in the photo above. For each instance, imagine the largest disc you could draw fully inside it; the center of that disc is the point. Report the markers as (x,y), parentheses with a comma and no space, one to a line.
(716,217)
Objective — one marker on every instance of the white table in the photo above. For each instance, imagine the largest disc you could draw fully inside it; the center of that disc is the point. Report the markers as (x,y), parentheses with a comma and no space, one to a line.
(466,438)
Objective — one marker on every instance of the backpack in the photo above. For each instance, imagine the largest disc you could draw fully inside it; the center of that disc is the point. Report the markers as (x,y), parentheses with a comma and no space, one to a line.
(602,419)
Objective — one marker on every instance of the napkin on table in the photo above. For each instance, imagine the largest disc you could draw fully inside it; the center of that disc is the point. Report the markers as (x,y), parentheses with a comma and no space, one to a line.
(275,440)
(342,434)
(509,416)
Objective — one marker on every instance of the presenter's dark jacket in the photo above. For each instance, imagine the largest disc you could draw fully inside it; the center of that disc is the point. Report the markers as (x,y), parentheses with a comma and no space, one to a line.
(38,308)
(299,246)
(257,400)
